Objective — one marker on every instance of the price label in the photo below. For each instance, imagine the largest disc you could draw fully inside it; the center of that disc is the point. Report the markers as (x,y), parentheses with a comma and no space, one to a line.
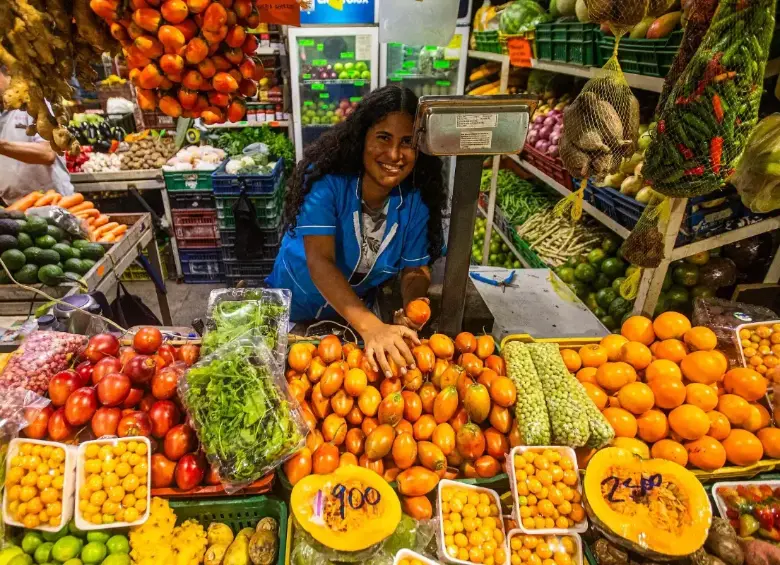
(360,83)
(403,73)
(306,76)
(441,64)
(430,48)
(354,498)
(318,86)
(640,490)
(395,44)
(320,46)
(520,52)
(319,62)
(409,64)
(347,55)
(355,99)
(308,103)
(443,83)
(306,42)
(396,79)
(324,95)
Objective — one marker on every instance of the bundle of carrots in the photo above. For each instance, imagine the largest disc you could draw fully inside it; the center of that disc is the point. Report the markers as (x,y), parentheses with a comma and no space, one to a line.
(98,226)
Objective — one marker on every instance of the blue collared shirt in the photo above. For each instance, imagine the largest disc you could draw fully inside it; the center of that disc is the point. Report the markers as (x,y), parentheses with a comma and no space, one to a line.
(334,207)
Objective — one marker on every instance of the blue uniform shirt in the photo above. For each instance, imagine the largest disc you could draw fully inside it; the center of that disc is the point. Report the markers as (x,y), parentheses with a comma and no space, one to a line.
(334,207)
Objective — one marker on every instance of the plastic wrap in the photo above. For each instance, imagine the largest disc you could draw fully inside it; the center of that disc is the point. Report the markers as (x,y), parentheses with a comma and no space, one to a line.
(723,317)
(242,410)
(718,272)
(232,312)
(758,172)
(41,356)
(410,534)
(62,219)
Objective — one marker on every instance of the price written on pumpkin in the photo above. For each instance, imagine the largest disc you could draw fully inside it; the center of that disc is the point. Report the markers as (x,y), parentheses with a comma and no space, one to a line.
(645,486)
(354,498)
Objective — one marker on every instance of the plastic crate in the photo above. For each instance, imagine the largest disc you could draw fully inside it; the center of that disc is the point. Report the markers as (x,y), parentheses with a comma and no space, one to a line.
(552,167)
(153,120)
(567,42)
(268,208)
(201,266)
(192,200)
(264,253)
(251,272)
(187,180)
(238,513)
(649,57)
(487,41)
(194,227)
(231,185)
(527,253)
(272,237)
(136,272)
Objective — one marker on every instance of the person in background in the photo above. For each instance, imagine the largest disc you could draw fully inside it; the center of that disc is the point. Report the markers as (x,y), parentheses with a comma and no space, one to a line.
(362,208)
(27,163)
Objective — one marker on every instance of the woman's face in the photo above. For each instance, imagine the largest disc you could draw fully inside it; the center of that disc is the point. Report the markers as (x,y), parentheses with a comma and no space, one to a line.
(388,157)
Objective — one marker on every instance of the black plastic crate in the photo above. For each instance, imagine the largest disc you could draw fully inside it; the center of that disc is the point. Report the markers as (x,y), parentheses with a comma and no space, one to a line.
(253,273)
(567,42)
(192,200)
(271,237)
(202,266)
(264,253)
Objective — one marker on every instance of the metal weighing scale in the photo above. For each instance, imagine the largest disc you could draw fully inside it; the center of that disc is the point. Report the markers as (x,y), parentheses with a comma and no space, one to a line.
(534,301)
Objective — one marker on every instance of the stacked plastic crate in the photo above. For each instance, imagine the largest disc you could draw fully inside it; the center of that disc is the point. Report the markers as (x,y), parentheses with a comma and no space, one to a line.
(266,192)
(195,225)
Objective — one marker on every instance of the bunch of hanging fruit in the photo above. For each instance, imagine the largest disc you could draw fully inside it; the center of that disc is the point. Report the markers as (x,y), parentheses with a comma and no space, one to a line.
(42,44)
(189,58)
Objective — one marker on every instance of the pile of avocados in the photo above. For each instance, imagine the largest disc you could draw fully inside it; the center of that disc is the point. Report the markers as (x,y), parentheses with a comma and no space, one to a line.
(34,250)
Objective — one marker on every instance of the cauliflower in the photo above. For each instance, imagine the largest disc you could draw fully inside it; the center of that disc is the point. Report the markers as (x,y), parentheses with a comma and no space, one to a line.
(233,166)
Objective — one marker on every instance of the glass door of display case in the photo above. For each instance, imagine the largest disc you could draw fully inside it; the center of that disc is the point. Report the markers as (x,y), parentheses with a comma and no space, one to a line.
(332,69)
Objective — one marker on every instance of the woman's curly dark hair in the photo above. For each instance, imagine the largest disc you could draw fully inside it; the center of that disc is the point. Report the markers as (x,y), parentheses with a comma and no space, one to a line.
(340,151)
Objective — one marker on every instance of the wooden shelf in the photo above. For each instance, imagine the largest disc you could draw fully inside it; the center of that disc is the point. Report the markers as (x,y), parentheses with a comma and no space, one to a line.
(233,125)
(642,82)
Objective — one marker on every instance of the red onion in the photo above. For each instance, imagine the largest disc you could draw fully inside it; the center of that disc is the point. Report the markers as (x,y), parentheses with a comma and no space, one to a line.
(552,150)
(549,121)
(539,119)
(545,132)
(555,137)
(542,145)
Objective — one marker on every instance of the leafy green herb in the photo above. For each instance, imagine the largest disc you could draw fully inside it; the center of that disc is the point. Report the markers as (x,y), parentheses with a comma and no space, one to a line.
(244,420)
(232,319)
(279,145)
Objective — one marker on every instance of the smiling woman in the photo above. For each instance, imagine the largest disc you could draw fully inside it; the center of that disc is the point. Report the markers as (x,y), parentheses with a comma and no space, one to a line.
(363,207)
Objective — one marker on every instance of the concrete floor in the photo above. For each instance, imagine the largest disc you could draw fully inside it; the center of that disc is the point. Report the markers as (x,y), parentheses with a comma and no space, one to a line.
(187,301)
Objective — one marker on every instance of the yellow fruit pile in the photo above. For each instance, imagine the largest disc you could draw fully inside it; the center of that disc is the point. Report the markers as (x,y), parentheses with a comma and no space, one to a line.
(114,482)
(34,485)
(472,526)
(547,490)
(151,542)
(538,550)
(410,561)
(761,347)
(189,543)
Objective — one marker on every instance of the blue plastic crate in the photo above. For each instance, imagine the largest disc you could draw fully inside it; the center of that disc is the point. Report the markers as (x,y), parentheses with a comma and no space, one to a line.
(200,255)
(200,266)
(231,185)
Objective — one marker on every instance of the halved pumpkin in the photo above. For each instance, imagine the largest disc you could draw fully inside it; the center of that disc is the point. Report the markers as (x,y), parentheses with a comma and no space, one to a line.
(348,510)
(654,507)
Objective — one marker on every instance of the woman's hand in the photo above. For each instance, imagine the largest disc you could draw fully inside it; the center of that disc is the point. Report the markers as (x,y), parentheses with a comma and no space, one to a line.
(400,318)
(385,340)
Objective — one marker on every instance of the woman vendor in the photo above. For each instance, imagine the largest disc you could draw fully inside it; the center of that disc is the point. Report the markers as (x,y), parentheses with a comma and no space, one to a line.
(361,207)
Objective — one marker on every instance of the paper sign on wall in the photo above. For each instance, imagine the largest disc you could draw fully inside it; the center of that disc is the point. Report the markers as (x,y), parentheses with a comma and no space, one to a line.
(282,12)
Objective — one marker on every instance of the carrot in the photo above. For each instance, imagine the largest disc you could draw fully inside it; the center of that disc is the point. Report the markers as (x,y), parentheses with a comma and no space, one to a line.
(101,220)
(108,238)
(25,202)
(57,198)
(90,212)
(45,200)
(81,207)
(105,228)
(119,230)
(68,202)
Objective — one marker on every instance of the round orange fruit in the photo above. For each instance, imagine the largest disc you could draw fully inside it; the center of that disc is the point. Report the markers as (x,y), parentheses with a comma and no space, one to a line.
(706,453)
(770,439)
(743,448)
(668,393)
(636,354)
(638,328)
(689,422)
(593,355)
(613,376)
(670,450)
(746,383)
(663,369)
(571,359)
(622,421)
(637,398)
(701,338)
(652,426)
(671,325)
(702,396)
(706,367)
(613,344)
(720,427)
(596,394)
(671,349)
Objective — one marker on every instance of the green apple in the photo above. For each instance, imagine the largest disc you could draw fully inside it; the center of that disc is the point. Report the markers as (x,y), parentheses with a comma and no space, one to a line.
(349,66)
(338,67)
(335,119)
(365,75)
(343,75)
(361,66)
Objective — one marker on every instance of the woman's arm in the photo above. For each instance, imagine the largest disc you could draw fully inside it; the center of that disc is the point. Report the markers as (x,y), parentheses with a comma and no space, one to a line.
(380,339)
(30,152)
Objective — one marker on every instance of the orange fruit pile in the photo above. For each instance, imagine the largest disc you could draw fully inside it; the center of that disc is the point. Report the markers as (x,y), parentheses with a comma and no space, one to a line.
(548,493)
(664,382)
(34,484)
(539,550)
(471,521)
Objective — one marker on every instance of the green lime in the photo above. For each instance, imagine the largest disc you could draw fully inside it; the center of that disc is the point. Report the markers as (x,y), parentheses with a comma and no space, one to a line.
(66,548)
(117,559)
(74,531)
(43,553)
(613,267)
(22,559)
(617,283)
(572,261)
(596,256)
(601,281)
(591,301)
(609,322)
(618,307)
(702,291)
(677,296)
(686,275)
(74,561)
(611,244)
(31,541)
(93,552)
(54,536)
(98,536)
(118,544)
(579,288)
(585,272)
(605,296)
(566,274)
(660,306)
(598,311)
(668,282)
(701,258)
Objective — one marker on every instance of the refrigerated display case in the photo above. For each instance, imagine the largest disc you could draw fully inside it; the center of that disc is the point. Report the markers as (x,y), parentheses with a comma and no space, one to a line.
(427,70)
(332,69)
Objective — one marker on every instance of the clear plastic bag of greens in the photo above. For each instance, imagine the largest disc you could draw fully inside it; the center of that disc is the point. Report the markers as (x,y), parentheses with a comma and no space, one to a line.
(232,312)
(758,172)
(246,419)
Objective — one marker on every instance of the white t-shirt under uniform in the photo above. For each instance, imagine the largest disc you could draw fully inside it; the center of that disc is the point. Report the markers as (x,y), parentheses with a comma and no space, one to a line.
(17,178)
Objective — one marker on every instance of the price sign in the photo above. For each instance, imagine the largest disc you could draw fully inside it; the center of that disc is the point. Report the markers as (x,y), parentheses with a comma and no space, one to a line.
(443,83)
(360,83)
(324,95)
(441,64)
(320,46)
(354,498)
(319,62)
(347,55)
(318,86)
(520,52)
(306,76)
(634,490)
(308,103)
(409,64)
(306,42)
(355,99)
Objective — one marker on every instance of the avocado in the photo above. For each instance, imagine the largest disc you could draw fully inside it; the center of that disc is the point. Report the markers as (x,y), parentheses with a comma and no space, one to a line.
(31,253)
(65,251)
(76,253)
(45,241)
(35,226)
(16,214)
(4,279)
(8,242)
(42,256)
(92,251)
(9,227)
(27,274)
(79,243)
(75,265)
(50,275)
(55,232)
(13,259)
(71,276)
(24,240)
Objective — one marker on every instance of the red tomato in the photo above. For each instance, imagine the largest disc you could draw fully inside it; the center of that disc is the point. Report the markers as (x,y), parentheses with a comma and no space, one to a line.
(212,477)
(113,389)
(62,385)
(37,421)
(101,345)
(140,369)
(81,406)
(188,353)
(105,421)
(58,427)
(146,403)
(126,354)
(134,424)
(178,441)
(84,371)
(162,471)
(104,367)
(190,471)
(164,383)
(147,340)
(133,398)
(164,415)
(168,353)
